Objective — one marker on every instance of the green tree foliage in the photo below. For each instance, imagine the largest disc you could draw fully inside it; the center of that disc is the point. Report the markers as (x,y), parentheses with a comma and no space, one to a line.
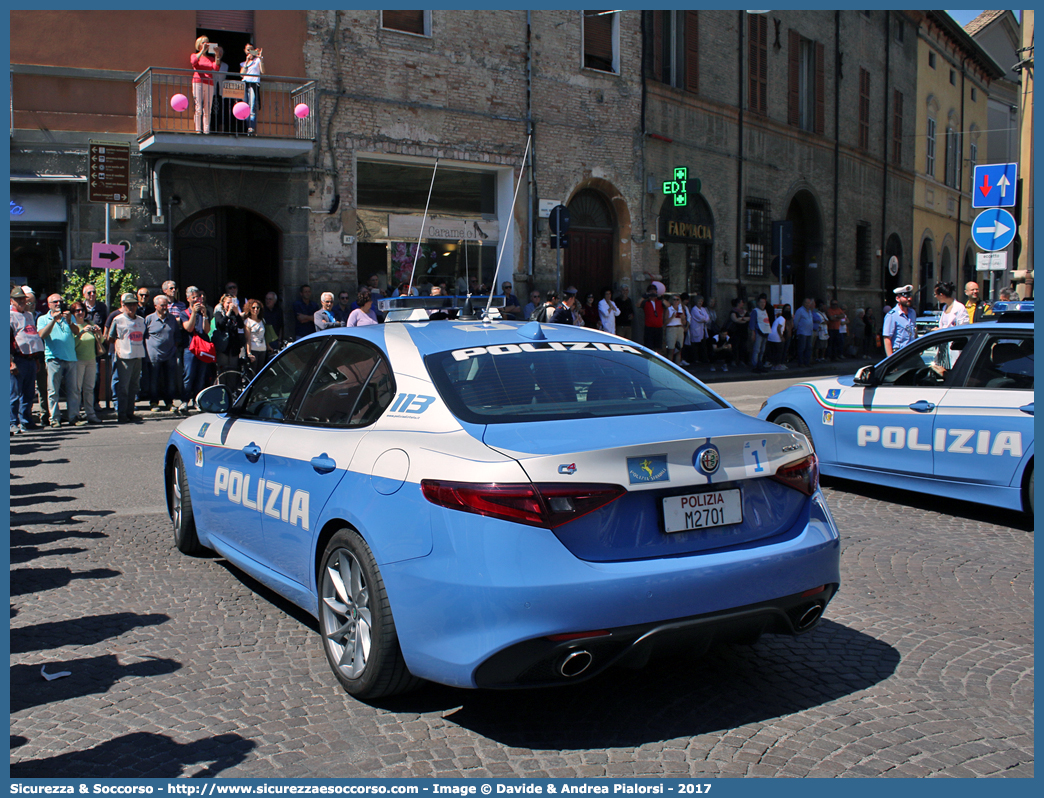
(121,281)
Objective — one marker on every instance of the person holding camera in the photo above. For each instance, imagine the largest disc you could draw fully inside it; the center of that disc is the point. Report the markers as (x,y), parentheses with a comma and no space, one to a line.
(204,61)
(58,330)
(127,332)
(88,350)
(252,69)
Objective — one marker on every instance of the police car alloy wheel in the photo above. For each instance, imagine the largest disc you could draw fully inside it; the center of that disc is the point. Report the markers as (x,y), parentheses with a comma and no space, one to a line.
(181,510)
(356,623)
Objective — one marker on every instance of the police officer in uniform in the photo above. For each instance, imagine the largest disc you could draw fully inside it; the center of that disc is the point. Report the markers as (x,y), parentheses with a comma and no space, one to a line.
(900,324)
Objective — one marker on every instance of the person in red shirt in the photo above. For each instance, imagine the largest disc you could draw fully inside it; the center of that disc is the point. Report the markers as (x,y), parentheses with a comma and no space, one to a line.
(653,307)
(834,316)
(204,61)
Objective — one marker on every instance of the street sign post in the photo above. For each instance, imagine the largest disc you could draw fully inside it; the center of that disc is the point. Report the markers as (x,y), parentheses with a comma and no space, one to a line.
(108,171)
(994,229)
(994,185)
(108,256)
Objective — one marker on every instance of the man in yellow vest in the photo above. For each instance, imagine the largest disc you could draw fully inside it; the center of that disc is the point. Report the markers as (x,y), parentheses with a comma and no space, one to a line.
(975,306)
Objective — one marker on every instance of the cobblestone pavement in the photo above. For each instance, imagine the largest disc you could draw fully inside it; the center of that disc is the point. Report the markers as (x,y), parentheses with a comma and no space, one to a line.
(185,667)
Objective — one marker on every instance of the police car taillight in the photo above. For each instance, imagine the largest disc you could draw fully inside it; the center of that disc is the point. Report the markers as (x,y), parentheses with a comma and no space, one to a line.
(547,505)
(802,475)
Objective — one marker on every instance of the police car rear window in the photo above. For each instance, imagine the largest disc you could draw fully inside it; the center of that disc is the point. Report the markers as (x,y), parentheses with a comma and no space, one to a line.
(551,380)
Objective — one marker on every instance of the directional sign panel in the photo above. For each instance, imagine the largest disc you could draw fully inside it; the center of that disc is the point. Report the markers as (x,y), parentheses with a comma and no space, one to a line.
(107,256)
(994,185)
(994,229)
(108,171)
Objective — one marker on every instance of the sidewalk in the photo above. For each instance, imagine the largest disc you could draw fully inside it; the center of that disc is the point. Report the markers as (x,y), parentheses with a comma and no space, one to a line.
(743,371)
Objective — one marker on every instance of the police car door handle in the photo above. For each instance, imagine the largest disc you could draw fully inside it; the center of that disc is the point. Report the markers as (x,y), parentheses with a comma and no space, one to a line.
(252,452)
(323,464)
(922,406)
(1027,408)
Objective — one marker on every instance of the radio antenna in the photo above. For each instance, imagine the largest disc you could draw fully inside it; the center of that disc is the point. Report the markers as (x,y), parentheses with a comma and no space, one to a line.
(420,235)
(518,185)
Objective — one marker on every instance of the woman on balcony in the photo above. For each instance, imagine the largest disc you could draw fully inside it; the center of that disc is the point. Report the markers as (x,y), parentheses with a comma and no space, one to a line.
(204,61)
(252,69)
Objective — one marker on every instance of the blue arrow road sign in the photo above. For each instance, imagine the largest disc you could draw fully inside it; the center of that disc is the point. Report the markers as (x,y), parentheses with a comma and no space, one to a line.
(994,229)
(994,185)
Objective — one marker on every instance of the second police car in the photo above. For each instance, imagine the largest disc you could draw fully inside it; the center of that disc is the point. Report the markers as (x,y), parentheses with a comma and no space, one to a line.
(949,414)
(484,503)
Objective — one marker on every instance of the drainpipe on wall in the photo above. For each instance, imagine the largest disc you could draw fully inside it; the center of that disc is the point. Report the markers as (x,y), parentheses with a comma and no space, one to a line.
(643,174)
(531,186)
(837,131)
(884,157)
(739,165)
(959,265)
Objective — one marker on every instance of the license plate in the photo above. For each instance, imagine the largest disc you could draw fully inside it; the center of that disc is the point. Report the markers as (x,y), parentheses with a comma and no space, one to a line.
(702,510)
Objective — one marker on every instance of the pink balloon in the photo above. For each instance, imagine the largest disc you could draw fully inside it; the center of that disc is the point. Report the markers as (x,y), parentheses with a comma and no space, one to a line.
(660,287)
(300,110)
(240,110)
(179,102)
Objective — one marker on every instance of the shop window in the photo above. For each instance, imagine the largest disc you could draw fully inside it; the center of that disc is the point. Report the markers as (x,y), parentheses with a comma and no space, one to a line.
(807,84)
(415,22)
(601,32)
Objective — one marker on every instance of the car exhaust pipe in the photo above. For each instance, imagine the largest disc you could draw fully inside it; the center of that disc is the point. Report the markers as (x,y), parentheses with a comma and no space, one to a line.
(575,663)
(809,617)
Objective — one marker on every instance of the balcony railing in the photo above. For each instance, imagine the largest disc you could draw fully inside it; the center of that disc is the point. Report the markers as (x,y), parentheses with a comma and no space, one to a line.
(279,96)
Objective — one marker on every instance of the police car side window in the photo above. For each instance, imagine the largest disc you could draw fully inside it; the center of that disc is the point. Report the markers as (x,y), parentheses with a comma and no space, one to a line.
(1005,363)
(926,365)
(347,388)
(269,395)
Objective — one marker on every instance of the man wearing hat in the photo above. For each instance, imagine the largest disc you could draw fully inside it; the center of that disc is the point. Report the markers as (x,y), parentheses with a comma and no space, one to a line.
(127,331)
(25,343)
(564,312)
(900,325)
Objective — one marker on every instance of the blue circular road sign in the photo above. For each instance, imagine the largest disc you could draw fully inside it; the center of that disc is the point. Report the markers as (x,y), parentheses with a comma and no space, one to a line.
(994,229)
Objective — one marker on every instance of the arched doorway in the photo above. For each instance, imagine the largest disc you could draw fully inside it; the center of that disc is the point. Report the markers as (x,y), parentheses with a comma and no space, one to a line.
(968,272)
(926,281)
(589,256)
(226,243)
(687,235)
(893,249)
(945,266)
(806,273)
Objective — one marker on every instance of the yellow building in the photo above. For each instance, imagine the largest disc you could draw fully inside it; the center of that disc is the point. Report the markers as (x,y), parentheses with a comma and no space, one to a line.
(953,80)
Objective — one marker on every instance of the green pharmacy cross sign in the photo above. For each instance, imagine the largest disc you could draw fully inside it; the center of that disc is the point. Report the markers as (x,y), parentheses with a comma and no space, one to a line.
(678,187)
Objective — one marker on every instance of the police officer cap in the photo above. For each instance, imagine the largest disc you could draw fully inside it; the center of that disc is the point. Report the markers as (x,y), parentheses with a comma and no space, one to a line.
(903,289)
(570,291)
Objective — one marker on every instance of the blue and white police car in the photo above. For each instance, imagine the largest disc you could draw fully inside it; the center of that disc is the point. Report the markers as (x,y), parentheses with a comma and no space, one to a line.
(951,414)
(484,503)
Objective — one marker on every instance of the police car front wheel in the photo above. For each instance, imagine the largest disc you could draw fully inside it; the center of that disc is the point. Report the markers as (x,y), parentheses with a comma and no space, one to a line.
(795,423)
(356,623)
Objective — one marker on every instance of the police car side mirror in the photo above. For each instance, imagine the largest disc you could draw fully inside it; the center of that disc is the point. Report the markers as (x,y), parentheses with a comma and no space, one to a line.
(215,399)
(865,376)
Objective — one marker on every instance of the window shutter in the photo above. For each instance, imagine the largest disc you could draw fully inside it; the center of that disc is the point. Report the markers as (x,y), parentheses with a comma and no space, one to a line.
(598,40)
(758,63)
(692,51)
(239,21)
(406,21)
(897,127)
(657,48)
(794,71)
(820,89)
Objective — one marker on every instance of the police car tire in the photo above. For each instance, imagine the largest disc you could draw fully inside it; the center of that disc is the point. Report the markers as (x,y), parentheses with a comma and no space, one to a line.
(185,538)
(384,672)
(796,423)
(1029,491)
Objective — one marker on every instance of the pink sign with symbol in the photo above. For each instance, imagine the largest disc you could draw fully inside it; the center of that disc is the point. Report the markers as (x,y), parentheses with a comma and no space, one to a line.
(107,256)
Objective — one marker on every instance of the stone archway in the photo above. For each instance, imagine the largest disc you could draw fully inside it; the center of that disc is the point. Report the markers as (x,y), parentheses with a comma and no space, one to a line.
(807,273)
(926,278)
(687,233)
(226,243)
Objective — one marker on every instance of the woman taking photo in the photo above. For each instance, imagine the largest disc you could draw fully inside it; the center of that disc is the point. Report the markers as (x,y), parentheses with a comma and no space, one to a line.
(88,350)
(205,62)
(257,348)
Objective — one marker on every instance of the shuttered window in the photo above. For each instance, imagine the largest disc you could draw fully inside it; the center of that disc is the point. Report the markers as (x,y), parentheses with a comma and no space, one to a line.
(598,40)
(757,66)
(674,48)
(407,21)
(864,109)
(897,127)
(238,21)
(692,51)
(806,90)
